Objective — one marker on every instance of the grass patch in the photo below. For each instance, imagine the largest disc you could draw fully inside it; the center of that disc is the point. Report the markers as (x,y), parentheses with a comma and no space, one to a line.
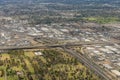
(29,66)
(5,56)
(2,78)
(43,59)
(12,77)
(29,54)
(17,68)
(102,20)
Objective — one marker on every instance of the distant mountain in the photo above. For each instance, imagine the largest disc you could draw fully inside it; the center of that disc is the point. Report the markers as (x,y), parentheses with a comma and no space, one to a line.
(88,3)
(62,1)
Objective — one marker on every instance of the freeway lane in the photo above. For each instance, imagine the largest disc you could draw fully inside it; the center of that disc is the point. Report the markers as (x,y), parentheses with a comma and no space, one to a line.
(52,46)
(89,64)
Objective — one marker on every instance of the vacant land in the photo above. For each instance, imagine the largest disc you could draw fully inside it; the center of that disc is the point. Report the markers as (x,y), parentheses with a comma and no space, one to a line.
(50,65)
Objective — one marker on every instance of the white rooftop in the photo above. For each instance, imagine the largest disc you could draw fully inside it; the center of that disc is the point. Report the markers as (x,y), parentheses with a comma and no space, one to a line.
(96,51)
(38,53)
(90,48)
(116,72)
(107,66)
(118,64)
